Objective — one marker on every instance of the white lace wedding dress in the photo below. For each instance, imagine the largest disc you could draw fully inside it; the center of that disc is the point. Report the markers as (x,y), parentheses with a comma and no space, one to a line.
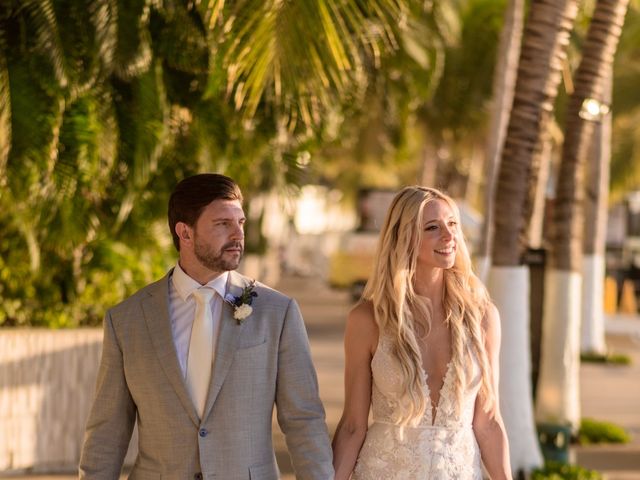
(442,450)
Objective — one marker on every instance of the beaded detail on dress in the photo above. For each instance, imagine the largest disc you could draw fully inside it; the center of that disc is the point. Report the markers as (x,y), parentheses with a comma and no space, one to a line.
(442,450)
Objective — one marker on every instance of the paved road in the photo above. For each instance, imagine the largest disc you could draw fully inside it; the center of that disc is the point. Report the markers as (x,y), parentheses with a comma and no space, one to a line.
(608,392)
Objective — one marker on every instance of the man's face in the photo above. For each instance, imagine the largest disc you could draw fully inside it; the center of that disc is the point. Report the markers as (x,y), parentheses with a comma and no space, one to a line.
(218,236)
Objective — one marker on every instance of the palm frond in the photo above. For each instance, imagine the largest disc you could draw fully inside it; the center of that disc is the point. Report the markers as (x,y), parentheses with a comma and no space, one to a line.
(86,33)
(36,116)
(142,119)
(133,53)
(103,15)
(209,11)
(465,86)
(42,17)
(180,39)
(302,56)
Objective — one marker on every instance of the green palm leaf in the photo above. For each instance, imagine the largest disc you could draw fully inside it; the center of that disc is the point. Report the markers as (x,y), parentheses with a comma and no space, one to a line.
(41,16)
(301,55)
(103,16)
(133,53)
(141,113)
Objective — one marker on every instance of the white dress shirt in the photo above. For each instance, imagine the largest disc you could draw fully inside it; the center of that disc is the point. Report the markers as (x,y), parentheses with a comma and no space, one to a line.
(182,310)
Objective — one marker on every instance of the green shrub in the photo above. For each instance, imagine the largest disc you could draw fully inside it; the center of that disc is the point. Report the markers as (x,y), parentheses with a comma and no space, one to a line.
(594,431)
(608,358)
(561,471)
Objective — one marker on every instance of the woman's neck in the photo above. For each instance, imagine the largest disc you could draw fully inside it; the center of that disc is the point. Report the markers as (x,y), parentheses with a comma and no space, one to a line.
(430,284)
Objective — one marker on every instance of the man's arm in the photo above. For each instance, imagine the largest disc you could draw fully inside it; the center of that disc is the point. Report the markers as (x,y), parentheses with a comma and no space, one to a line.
(300,412)
(112,416)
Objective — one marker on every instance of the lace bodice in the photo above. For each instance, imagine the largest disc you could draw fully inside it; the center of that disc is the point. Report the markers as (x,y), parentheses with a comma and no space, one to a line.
(437,450)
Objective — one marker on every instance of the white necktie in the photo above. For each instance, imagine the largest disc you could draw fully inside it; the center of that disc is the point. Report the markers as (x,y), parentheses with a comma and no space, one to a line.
(200,350)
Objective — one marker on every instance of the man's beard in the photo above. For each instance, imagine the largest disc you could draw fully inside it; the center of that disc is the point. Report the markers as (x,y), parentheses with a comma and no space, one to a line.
(215,261)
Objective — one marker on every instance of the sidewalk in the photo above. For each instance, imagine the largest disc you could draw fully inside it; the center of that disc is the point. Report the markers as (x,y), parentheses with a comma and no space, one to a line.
(612,393)
(607,392)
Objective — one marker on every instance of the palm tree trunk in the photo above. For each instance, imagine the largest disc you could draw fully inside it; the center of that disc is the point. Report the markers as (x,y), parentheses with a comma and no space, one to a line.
(538,193)
(592,337)
(544,46)
(429,163)
(546,37)
(504,82)
(5,113)
(558,387)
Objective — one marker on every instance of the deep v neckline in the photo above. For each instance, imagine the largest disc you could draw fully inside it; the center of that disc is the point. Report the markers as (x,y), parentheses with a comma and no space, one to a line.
(434,407)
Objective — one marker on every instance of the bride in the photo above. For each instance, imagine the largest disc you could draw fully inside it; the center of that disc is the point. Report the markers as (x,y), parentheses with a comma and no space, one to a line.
(422,350)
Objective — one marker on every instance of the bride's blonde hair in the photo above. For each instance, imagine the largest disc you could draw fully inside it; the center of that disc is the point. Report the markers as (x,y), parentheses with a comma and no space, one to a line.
(398,310)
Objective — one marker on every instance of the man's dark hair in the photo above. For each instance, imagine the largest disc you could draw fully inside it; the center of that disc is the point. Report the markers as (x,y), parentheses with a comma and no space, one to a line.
(193,194)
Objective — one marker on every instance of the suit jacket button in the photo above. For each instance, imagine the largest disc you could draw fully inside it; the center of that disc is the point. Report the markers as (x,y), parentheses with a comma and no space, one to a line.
(203,432)
(198,476)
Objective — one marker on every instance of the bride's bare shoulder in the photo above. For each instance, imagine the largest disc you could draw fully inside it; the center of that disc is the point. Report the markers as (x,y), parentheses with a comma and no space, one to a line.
(361,323)
(362,313)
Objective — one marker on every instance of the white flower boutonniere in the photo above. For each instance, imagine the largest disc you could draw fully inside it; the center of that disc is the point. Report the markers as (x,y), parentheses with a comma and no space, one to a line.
(242,303)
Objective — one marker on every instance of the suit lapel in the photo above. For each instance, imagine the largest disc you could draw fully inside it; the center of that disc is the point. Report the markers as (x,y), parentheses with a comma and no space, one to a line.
(227,345)
(156,314)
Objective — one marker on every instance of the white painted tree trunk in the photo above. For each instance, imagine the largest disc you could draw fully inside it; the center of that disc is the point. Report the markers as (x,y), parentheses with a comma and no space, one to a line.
(482,267)
(558,393)
(596,215)
(592,327)
(509,288)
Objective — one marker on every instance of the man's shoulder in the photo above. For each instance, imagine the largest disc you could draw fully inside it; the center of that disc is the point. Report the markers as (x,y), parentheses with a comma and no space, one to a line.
(157,288)
(267,295)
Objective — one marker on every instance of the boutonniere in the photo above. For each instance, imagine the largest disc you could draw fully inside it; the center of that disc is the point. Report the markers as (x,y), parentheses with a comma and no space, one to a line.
(242,303)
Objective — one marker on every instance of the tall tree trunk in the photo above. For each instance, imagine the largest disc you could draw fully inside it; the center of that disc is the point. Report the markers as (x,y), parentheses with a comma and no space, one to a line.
(475,175)
(546,37)
(5,114)
(504,83)
(539,186)
(429,163)
(558,387)
(593,271)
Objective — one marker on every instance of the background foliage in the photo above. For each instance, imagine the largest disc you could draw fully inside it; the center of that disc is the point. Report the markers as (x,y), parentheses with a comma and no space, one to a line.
(106,104)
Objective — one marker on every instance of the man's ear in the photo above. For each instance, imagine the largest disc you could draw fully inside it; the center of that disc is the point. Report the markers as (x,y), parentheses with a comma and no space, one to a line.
(184,232)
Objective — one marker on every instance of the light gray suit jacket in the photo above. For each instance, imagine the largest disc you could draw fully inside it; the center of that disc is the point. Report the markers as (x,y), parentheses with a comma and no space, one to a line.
(264,360)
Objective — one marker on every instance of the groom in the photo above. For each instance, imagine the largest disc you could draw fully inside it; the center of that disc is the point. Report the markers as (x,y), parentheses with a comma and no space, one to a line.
(199,358)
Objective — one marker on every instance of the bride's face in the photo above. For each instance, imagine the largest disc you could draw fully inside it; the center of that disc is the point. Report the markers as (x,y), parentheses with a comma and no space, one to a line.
(439,236)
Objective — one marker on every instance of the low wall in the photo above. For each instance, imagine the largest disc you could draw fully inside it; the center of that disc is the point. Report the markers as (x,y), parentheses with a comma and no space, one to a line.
(47,380)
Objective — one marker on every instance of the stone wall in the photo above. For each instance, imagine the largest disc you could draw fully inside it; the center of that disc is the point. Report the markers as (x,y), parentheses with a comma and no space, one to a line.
(47,379)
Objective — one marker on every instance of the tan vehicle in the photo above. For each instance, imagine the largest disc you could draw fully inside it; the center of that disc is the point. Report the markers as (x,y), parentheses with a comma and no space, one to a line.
(351,263)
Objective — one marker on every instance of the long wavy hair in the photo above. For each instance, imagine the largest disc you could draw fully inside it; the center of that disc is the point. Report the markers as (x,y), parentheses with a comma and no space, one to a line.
(400,313)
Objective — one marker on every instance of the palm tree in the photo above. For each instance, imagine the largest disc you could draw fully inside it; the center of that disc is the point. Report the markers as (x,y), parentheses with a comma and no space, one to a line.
(558,390)
(504,83)
(545,40)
